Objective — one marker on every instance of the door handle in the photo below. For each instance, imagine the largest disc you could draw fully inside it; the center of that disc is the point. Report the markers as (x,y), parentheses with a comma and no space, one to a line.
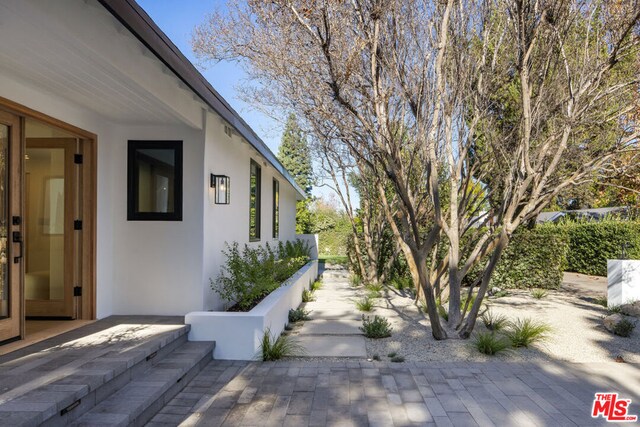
(17,238)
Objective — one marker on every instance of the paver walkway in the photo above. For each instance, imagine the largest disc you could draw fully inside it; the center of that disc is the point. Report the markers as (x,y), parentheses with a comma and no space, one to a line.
(585,285)
(333,330)
(361,393)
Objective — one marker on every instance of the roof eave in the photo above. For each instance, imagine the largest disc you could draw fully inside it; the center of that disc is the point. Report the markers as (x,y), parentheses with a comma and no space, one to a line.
(140,24)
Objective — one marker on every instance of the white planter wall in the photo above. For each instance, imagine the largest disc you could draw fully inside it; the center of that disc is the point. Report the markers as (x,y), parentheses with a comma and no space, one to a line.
(238,335)
(312,241)
(623,277)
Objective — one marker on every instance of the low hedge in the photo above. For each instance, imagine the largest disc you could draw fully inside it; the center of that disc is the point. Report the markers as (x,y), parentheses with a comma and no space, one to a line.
(592,243)
(533,259)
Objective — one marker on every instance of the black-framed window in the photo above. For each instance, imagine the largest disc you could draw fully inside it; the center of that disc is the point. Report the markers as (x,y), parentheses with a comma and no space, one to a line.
(154,191)
(255,190)
(276,209)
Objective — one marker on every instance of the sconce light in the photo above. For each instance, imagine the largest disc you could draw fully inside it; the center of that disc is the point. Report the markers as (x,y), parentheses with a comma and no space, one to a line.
(221,184)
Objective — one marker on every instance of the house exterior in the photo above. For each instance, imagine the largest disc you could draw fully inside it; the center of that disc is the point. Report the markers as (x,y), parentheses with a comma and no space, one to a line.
(110,142)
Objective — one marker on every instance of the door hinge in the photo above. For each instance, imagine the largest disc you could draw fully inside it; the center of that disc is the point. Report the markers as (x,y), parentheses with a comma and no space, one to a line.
(77,291)
(77,224)
(77,159)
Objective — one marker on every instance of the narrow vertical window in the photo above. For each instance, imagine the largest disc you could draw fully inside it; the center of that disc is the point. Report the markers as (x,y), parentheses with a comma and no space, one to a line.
(276,209)
(254,201)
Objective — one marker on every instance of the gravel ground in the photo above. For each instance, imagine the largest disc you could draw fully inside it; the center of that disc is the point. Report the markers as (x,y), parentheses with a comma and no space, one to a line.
(577,331)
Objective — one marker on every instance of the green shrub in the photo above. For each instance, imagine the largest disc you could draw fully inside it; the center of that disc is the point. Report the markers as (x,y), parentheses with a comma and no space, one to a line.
(375,287)
(591,243)
(397,359)
(538,293)
(364,304)
(614,309)
(355,280)
(379,327)
(275,348)
(524,332)
(317,285)
(441,311)
(307,296)
(402,283)
(494,322)
(253,273)
(601,301)
(533,259)
(334,259)
(500,294)
(624,328)
(298,315)
(490,343)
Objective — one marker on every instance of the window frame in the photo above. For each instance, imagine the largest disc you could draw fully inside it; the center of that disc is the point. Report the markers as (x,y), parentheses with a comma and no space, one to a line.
(275,223)
(258,201)
(133,185)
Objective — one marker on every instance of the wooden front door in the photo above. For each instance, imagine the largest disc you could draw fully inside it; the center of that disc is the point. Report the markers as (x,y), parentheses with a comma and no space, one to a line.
(11,228)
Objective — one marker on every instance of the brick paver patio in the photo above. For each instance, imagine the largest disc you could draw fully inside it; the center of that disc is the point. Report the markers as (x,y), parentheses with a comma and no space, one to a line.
(361,393)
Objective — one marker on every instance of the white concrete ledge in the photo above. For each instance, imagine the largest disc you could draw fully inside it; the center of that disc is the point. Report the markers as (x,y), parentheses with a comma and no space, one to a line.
(623,277)
(238,334)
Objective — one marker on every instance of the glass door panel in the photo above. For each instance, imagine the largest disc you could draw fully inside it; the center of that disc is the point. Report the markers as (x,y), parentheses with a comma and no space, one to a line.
(5,289)
(49,227)
(11,314)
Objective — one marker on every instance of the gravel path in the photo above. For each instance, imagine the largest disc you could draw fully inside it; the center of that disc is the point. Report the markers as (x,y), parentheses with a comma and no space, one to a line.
(577,332)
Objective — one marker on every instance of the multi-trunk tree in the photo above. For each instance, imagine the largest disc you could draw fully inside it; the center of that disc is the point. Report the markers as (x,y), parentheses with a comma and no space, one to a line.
(476,113)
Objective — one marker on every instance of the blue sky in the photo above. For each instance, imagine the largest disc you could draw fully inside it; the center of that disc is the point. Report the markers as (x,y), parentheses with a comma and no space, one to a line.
(178,18)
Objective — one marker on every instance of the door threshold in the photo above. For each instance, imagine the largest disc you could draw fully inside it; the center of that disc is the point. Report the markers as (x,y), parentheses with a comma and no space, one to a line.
(45,329)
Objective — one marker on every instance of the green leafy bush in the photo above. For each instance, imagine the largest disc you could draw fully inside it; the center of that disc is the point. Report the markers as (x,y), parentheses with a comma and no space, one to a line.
(298,315)
(534,259)
(378,327)
(316,285)
(307,296)
(355,280)
(591,243)
(624,328)
(253,273)
(275,348)
(364,304)
(402,283)
(490,343)
(538,293)
(494,322)
(524,332)
(375,290)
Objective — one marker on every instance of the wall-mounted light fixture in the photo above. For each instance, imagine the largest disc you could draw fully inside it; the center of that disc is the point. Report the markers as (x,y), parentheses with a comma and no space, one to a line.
(221,184)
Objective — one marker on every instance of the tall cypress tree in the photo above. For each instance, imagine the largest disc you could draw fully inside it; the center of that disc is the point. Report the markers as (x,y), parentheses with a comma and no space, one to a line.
(295,156)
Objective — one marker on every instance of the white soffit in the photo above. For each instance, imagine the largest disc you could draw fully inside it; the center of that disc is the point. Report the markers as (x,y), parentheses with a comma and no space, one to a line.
(78,51)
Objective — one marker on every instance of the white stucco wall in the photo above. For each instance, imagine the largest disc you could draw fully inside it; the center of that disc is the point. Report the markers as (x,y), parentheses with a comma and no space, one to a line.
(230,223)
(101,79)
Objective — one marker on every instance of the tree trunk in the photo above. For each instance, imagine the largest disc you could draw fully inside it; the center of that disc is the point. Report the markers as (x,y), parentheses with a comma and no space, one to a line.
(470,322)
(420,264)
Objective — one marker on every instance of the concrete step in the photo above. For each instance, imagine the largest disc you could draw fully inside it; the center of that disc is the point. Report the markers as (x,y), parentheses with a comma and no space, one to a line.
(61,383)
(139,400)
(333,346)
